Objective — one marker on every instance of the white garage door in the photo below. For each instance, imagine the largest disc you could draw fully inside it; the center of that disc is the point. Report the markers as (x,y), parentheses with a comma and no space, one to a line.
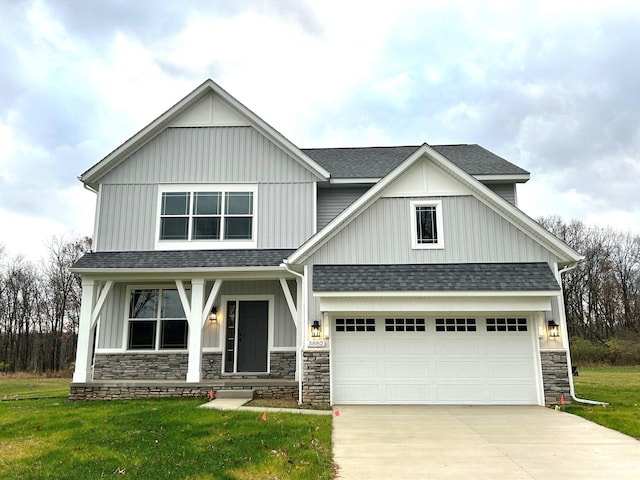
(433,360)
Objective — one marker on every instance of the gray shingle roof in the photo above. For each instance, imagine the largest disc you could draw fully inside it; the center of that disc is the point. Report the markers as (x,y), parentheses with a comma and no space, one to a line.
(434,277)
(376,162)
(183,259)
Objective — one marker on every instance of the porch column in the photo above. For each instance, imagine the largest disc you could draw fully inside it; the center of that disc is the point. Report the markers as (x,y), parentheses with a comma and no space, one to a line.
(82,373)
(194,370)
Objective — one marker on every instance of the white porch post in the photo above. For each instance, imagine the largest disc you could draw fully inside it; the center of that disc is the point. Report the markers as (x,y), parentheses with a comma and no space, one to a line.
(194,370)
(82,373)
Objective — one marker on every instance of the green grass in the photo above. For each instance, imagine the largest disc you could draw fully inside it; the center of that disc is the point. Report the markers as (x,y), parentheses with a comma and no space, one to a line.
(620,387)
(158,439)
(34,387)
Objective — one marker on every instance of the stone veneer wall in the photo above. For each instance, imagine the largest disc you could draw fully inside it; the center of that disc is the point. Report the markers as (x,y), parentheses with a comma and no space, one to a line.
(131,375)
(315,379)
(122,391)
(555,376)
(141,366)
(173,366)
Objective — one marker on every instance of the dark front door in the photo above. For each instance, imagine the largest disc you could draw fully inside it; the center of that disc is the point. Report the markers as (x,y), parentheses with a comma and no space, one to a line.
(252,335)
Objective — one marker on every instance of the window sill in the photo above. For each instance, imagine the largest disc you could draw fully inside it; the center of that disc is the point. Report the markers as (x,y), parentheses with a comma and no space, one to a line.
(205,245)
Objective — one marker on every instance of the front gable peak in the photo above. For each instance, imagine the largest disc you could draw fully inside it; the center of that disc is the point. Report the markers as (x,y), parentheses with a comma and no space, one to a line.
(207,105)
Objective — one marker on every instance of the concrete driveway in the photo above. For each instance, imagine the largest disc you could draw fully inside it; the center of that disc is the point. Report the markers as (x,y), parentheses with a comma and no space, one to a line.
(462,442)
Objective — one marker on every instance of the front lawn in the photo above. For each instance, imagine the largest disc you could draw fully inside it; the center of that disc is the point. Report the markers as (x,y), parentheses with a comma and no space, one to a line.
(620,387)
(158,439)
(33,387)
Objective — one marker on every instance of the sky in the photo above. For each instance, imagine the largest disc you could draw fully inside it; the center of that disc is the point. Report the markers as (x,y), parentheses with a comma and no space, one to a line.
(552,86)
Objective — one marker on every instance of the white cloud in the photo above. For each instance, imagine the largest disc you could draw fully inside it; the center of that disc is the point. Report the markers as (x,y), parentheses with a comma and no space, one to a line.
(548,84)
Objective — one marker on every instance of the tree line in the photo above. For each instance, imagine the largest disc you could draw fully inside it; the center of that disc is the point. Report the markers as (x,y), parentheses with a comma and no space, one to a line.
(40,303)
(602,293)
(40,308)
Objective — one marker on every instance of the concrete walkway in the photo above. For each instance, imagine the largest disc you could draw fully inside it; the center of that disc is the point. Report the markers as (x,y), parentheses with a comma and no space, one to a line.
(239,404)
(484,442)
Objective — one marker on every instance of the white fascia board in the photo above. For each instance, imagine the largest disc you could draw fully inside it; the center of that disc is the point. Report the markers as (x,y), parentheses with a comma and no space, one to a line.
(355,181)
(442,294)
(157,125)
(170,274)
(422,305)
(520,178)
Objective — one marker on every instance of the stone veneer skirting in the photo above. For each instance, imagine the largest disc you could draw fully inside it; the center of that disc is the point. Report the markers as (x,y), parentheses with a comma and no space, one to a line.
(316,381)
(141,366)
(129,390)
(555,376)
(163,374)
(173,366)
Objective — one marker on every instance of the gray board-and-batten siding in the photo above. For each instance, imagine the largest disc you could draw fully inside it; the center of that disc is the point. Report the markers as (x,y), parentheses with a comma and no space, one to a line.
(111,328)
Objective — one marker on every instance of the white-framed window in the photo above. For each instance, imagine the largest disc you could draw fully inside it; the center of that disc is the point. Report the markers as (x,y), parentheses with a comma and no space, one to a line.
(506,324)
(456,325)
(355,325)
(156,319)
(206,216)
(426,224)
(404,325)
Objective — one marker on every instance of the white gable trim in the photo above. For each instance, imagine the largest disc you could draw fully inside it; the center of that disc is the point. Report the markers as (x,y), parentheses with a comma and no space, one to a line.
(512,214)
(91,176)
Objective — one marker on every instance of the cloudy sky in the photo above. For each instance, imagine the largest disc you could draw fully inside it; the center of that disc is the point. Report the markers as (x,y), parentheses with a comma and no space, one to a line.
(553,86)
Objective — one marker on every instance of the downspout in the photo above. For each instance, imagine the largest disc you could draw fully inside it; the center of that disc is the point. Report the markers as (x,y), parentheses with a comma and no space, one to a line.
(565,340)
(303,320)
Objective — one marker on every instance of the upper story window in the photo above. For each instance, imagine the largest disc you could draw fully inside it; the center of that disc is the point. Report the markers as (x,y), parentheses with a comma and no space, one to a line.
(426,224)
(207,217)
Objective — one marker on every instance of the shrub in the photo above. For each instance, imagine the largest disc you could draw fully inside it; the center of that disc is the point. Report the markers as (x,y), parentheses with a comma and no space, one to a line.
(615,352)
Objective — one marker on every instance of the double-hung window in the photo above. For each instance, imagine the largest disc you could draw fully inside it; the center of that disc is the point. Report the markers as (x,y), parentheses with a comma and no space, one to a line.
(156,320)
(426,224)
(217,216)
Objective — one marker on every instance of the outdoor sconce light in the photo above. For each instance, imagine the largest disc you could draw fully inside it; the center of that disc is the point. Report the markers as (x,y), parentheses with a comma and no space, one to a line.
(552,329)
(315,329)
(213,316)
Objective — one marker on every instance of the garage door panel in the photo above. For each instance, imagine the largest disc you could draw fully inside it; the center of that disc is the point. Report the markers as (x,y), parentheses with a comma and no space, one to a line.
(403,345)
(511,393)
(358,393)
(509,369)
(402,393)
(358,345)
(465,344)
(508,343)
(356,369)
(460,393)
(433,367)
(456,369)
(406,369)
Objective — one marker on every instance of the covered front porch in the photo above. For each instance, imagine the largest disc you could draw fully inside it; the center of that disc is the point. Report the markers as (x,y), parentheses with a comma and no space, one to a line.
(187,323)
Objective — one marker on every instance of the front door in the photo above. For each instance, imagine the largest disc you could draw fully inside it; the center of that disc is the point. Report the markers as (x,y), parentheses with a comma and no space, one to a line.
(252,334)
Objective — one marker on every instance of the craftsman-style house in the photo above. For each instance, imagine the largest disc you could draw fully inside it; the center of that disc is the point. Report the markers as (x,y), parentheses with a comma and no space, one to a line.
(228,258)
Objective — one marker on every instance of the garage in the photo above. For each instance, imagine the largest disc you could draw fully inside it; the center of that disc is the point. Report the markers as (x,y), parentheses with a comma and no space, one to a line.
(415,359)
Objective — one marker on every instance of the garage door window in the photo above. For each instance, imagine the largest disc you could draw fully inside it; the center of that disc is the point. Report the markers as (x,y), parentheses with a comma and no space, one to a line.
(455,324)
(506,324)
(355,325)
(404,325)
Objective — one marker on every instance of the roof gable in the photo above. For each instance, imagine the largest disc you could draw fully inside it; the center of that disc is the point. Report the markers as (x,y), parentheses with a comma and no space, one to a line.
(403,176)
(208,105)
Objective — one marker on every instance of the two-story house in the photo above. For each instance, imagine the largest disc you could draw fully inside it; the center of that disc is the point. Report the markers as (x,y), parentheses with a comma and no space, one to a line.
(228,258)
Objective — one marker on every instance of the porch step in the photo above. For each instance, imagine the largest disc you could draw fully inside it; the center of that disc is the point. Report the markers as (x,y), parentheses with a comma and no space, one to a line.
(248,394)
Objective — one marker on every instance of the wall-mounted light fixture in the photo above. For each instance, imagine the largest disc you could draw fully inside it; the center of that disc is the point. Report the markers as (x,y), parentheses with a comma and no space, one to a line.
(315,329)
(552,329)
(213,315)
